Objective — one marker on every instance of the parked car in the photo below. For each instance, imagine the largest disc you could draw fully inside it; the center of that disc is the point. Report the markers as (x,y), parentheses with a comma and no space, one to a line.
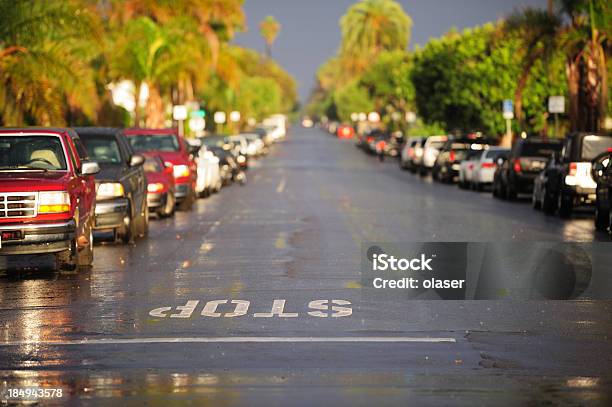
(277,124)
(431,149)
(175,151)
(485,166)
(230,171)
(527,158)
(47,196)
(453,152)
(345,132)
(160,186)
(238,144)
(209,178)
(467,167)
(121,184)
(567,181)
(255,145)
(602,174)
(408,155)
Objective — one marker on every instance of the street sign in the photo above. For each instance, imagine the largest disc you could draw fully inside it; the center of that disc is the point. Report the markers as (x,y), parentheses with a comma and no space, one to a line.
(411,117)
(198,113)
(508,109)
(179,112)
(234,116)
(556,104)
(219,117)
(374,117)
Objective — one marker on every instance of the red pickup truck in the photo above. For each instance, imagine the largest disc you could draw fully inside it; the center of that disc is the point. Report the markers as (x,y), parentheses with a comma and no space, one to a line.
(47,195)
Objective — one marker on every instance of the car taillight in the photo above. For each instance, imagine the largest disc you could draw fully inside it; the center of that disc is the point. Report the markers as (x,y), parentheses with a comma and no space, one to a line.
(411,152)
(517,165)
(488,165)
(610,150)
(452,155)
(370,139)
(573,168)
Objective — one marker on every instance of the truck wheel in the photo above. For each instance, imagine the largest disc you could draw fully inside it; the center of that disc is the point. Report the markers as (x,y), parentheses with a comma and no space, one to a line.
(510,193)
(565,205)
(85,256)
(602,219)
(66,260)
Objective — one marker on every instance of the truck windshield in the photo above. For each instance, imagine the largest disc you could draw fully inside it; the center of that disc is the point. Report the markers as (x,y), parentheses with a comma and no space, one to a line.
(154,142)
(103,149)
(31,152)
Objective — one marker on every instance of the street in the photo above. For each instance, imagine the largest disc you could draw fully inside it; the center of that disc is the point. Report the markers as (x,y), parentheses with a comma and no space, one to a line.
(142,324)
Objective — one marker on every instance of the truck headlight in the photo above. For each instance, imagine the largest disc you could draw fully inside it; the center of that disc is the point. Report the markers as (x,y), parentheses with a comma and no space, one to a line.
(110,190)
(53,202)
(180,171)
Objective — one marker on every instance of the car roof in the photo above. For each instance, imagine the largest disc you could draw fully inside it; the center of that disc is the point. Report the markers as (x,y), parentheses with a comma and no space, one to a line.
(98,131)
(151,132)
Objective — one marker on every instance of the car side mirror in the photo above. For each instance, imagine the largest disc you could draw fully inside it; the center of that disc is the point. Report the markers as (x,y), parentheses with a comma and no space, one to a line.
(136,160)
(90,168)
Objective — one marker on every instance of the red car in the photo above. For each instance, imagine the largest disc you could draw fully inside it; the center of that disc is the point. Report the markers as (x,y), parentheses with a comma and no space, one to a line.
(175,152)
(47,195)
(160,189)
(346,132)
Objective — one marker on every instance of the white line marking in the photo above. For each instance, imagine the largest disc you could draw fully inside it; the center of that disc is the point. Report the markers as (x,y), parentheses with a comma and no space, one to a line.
(236,339)
(281,185)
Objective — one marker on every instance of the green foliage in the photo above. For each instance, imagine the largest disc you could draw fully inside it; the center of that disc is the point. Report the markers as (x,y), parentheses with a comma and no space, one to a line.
(352,98)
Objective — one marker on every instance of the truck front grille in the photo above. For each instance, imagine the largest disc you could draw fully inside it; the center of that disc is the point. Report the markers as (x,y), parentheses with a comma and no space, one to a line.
(18,205)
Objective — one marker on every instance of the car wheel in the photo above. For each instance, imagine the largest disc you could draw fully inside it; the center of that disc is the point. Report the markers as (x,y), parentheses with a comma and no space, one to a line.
(187,203)
(144,222)
(510,193)
(602,219)
(548,202)
(422,171)
(535,203)
(85,255)
(129,229)
(168,209)
(565,205)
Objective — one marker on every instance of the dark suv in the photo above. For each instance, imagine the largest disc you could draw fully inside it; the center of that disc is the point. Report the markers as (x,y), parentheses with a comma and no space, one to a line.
(121,184)
(568,181)
(602,174)
(526,160)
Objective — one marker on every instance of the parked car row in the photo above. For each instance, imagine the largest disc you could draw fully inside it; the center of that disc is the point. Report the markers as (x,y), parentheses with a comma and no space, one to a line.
(59,185)
(559,175)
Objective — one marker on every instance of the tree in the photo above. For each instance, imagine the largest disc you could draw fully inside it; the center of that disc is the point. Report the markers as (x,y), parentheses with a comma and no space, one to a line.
(45,51)
(352,98)
(269,29)
(370,27)
(580,30)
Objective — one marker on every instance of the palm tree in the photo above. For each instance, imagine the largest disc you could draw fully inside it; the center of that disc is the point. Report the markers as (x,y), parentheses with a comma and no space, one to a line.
(372,26)
(578,29)
(45,50)
(269,29)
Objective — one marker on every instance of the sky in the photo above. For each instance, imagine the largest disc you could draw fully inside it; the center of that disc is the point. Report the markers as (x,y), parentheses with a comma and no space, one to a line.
(310,32)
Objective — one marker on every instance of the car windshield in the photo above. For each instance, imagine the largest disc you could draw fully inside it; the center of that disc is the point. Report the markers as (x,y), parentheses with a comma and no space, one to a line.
(31,152)
(154,142)
(213,141)
(496,154)
(152,164)
(103,149)
(592,146)
(539,149)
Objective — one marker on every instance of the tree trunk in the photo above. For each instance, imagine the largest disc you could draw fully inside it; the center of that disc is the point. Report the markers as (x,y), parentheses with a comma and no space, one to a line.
(154,109)
(137,87)
(522,83)
(573,82)
(268,50)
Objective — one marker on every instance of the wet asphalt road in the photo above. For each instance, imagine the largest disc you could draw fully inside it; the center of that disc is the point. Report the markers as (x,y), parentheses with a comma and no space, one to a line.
(294,233)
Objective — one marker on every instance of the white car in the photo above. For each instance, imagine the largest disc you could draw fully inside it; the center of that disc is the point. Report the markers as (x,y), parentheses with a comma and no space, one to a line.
(255,145)
(431,149)
(209,178)
(485,166)
(409,153)
(466,168)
